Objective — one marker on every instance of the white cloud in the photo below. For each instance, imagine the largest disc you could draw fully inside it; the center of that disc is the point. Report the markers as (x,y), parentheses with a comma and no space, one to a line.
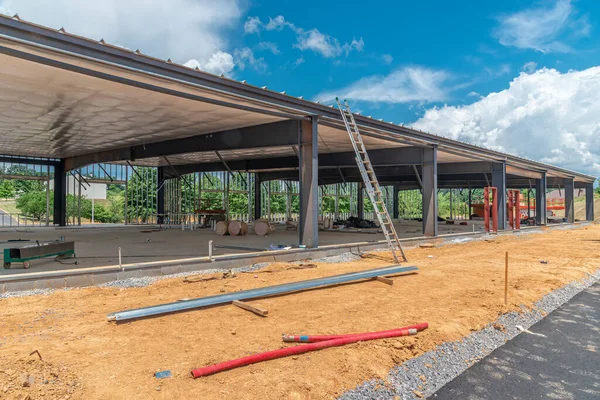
(252,25)
(474,94)
(541,28)
(325,45)
(270,46)
(529,67)
(277,23)
(311,39)
(299,61)
(245,58)
(403,85)
(387,58)
(547,116)
(176,29)
(220,63)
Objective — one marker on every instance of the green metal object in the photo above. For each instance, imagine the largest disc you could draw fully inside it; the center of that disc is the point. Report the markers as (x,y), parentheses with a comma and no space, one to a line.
(36,251)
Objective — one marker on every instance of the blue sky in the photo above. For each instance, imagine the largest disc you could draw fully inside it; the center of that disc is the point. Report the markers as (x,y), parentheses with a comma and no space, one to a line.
(513,75)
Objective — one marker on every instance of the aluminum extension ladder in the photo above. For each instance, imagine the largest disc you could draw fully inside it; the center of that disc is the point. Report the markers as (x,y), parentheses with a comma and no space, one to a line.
(371,184)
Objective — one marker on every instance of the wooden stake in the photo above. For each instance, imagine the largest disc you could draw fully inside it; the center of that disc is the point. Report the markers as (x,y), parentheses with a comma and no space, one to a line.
(506,280)
(248,307)
(385,280)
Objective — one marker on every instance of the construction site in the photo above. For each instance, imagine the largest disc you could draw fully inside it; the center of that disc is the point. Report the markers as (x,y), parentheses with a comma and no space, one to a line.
(169,225)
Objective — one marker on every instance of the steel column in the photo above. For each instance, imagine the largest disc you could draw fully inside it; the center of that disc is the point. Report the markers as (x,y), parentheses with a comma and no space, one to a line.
(257,197)
(540,200)
(60,194)
(430,202)
(589,201)
(470,203)
(308,226)
(499,182)
(160,195)
(569,199)
(395,201)
(360,201)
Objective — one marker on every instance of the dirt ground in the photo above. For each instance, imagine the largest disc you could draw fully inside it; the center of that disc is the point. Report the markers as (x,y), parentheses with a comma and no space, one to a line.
(457,290)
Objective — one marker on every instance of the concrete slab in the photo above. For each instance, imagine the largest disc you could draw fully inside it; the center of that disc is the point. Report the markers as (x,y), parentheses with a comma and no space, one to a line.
(98,245)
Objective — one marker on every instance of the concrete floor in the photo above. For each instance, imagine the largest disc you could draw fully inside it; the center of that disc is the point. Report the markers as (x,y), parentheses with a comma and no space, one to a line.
(98,245)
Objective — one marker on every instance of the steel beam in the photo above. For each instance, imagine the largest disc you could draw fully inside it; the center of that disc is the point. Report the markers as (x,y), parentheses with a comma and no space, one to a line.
(429,179)
(569,200)
(29,160)
(589,202)
(402,156)
(60,194)
(227,298)
(308,227)
(499,182)
(540,200)
(282,133)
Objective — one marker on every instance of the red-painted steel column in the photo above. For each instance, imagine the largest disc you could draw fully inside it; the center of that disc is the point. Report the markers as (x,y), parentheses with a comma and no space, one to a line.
(518,209)
(511,221)
(496,207)
(486,208)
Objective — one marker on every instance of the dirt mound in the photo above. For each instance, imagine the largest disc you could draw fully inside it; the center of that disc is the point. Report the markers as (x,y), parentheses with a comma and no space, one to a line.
(29,377)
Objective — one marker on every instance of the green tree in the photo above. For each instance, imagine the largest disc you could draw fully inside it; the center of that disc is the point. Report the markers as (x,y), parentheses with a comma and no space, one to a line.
(7,189)
(33,203)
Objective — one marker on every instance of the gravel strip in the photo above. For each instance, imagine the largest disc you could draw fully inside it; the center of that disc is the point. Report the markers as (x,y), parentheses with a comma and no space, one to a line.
(450,359)
(24,293)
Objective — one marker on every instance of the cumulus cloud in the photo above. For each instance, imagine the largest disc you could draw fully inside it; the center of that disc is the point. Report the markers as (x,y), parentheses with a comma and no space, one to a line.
(245,58)
(220,63)
(529,67)
(277,23)
(252,25)
(269,46)
(547,116)
(177,29)
(311,39)
(325,45)
(406,84)
(541,28)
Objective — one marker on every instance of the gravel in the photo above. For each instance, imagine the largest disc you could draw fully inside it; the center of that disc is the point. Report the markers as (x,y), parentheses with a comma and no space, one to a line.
(148,280)
(24,293)
(450,359)
(340,258)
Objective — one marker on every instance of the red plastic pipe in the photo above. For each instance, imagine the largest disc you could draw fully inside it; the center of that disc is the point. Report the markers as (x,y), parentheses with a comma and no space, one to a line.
(289,351)
(320,338)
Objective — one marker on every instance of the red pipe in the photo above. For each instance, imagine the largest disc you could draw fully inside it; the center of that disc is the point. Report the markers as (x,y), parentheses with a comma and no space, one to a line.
(289,351)
(320,338)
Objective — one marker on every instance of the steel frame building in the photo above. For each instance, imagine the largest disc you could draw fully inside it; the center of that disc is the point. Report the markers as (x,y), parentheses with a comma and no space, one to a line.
(68,101)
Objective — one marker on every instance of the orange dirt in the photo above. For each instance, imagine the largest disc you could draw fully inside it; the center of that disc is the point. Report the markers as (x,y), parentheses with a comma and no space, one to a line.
(457,291)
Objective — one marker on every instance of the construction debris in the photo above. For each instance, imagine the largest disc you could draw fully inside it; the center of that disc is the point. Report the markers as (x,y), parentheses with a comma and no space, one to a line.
(192,279)
(255,293)
(237,228)
(305,348)
(355,222)
(385,280)
(222,228)
(163,374)
(256,310)
(263,227)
